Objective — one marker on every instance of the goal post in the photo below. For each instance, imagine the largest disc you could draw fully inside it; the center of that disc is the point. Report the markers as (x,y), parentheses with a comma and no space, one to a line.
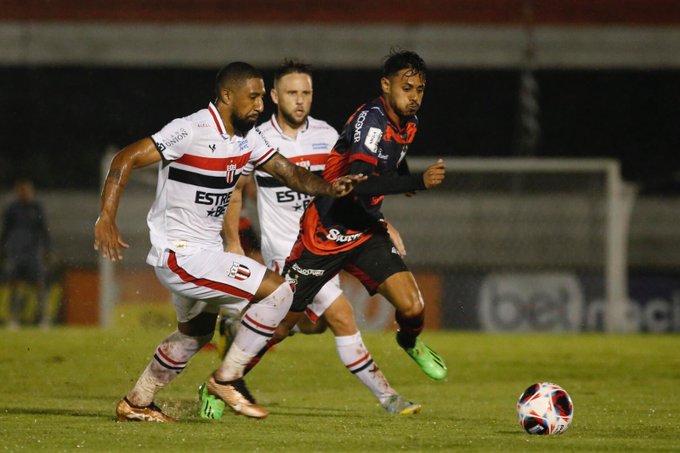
(130,279)
(525,216)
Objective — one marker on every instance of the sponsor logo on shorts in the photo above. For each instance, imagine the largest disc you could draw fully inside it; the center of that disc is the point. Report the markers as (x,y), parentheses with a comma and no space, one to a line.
(335,235)
(239,272)
(292,281)
(314,272)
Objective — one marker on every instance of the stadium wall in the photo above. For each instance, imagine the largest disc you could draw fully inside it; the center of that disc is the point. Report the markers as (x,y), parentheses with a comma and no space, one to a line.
(630,115)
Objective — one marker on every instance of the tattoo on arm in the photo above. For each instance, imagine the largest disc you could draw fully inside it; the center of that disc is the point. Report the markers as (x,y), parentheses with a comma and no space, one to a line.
(296,177)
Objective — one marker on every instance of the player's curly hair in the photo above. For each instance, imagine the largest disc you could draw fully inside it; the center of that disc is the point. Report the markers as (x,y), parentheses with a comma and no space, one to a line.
(403,59)
(291,66)
(235,72)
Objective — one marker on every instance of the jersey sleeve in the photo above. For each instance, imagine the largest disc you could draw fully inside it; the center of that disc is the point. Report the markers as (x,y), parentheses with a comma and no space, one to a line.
(367,129)
(261,149)
(247,169)
(174,139)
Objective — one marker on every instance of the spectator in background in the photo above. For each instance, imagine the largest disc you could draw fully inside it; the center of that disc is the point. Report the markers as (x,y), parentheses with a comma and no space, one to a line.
(24,246)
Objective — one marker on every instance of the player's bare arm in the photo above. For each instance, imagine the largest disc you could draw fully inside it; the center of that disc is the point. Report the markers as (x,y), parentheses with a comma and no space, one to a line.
(233,216)
(304,181)
(107,237)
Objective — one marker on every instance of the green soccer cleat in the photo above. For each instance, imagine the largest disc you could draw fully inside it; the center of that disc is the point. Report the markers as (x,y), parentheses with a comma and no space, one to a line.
(210,407)
(399,405)
(428,360)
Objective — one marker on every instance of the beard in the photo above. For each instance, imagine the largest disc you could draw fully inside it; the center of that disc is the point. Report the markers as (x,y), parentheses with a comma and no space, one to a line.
(243,124)
(290,119)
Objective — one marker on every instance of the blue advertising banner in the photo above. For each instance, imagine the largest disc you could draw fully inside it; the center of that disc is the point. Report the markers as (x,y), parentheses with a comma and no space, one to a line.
(554,302)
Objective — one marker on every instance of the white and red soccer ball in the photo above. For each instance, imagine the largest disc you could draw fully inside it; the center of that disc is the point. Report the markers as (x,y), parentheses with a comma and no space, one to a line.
(545,408)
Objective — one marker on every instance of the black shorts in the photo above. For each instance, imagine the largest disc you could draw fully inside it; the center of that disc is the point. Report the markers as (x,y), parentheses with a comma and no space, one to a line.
(371,262)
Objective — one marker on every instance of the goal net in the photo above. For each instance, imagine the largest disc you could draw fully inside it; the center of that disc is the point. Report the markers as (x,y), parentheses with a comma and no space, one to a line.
(523,244)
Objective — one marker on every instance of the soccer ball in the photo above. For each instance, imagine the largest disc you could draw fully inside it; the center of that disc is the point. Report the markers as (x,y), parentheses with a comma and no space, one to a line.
(545,408)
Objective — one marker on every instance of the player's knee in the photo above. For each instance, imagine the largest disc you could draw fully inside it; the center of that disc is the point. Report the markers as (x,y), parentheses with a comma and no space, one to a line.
(281,332)
(340,318)
(308,327)
(411,305)
(270,283)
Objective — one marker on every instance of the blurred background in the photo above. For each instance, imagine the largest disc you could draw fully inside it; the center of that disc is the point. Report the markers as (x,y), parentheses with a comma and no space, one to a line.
(559,122)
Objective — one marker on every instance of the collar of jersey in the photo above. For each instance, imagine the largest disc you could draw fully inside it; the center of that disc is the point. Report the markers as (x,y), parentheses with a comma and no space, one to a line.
(391,120)
(276,126)
(218,121)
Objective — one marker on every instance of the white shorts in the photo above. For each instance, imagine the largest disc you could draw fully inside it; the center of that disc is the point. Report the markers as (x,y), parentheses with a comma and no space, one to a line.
(323,299)
(203,281)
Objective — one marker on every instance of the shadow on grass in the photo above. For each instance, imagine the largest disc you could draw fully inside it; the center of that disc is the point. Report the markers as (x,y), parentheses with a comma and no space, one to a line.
(49,411)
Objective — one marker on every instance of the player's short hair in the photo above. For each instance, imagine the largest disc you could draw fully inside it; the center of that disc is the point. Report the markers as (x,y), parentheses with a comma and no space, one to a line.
(291,66)
(233,73)
(403,59)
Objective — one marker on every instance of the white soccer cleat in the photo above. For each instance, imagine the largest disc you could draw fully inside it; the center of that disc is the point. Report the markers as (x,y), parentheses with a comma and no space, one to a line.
(399,405)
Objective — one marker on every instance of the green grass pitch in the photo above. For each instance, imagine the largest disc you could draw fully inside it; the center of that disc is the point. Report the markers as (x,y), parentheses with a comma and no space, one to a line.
(58,391)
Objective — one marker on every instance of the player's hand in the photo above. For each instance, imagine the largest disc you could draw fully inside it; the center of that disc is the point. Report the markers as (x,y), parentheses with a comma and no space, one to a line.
(345,184)
(396,238)
(434,175)
(108,239)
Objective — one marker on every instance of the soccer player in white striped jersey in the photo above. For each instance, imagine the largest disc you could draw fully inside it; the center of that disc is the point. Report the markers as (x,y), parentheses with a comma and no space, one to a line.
(306,142)
(200,158)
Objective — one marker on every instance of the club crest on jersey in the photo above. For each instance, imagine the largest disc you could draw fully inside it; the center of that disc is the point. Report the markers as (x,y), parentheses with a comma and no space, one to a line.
(231,173)
(239,272)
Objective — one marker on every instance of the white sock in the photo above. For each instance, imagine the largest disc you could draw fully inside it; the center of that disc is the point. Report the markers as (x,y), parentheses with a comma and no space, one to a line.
(170,358)
(256,328)
(359,362)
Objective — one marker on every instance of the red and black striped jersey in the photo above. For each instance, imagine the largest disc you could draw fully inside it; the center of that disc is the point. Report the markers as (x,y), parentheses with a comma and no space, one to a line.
(371,143)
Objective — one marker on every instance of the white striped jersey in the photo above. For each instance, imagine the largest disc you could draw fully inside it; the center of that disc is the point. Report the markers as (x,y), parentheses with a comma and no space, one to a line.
(201,164)
(279,208)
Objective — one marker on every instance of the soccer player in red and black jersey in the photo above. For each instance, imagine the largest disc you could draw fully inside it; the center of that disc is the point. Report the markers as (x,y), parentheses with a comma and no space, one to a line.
(350,233)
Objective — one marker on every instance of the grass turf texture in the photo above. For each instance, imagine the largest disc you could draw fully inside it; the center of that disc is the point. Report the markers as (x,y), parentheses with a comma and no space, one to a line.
(58,391)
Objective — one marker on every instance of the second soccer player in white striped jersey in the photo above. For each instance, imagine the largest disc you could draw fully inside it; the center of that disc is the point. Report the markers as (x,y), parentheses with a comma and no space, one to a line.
(306,142)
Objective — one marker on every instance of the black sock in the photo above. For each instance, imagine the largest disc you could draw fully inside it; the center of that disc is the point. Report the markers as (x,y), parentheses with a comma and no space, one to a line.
(409,329)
